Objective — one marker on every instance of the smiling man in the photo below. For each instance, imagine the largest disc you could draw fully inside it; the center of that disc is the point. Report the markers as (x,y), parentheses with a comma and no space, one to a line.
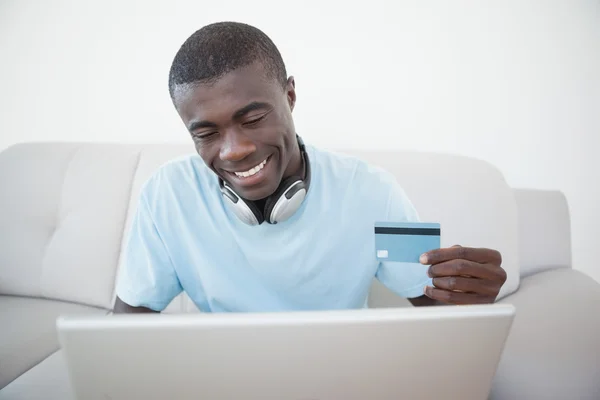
(262,222)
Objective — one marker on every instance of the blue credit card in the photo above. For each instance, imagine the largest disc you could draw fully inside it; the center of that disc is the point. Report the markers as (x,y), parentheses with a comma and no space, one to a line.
(405,241)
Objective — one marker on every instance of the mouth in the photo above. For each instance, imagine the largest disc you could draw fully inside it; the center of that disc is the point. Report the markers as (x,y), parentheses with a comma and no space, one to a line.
(252,171)
(252,176)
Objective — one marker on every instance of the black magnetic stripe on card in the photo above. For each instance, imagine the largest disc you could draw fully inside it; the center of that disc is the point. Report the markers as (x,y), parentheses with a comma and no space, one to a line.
(407,231)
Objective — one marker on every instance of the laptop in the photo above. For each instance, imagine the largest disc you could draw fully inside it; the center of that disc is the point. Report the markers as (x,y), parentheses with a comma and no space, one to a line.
(443,352)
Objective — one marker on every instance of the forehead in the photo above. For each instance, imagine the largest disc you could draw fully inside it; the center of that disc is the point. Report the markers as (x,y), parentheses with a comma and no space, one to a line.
(218,100)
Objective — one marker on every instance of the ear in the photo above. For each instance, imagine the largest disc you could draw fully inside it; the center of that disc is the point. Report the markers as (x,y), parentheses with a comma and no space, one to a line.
(291,92)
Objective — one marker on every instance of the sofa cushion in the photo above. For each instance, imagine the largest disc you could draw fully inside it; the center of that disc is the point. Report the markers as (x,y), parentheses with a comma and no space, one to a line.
(553,347)
(48,380)
(62,220)
(28,333)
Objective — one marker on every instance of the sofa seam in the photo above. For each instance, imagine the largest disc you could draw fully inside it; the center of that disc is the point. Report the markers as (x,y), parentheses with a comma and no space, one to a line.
(56,219)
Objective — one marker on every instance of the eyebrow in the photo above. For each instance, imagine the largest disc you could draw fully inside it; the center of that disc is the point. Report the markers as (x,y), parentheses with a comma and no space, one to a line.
(255,105)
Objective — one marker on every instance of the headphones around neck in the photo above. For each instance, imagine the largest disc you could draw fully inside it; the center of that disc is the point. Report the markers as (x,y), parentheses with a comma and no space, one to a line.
(279,206)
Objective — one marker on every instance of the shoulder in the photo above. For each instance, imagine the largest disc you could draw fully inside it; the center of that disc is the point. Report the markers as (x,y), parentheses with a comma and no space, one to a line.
(350,167)
(177,177)
(365,184)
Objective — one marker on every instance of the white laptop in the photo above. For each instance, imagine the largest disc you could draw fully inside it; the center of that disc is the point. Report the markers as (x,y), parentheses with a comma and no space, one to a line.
(446,352)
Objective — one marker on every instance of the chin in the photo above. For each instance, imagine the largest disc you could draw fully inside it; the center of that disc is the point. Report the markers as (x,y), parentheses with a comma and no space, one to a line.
(254,194)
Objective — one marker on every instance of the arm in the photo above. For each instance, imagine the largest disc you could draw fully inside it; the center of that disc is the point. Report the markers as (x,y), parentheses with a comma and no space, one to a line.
(147,280)
(424,301)
(406,279)
(123,308)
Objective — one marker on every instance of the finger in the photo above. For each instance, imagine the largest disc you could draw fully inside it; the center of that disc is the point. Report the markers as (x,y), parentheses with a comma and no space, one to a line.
(479,255)
(457,298)
(468,285)
(462,267)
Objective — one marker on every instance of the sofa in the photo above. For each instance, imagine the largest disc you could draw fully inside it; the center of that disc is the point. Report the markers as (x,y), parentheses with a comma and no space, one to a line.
(66,208)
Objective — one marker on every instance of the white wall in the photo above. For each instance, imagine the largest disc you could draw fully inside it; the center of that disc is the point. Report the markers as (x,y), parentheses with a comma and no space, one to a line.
(515,82)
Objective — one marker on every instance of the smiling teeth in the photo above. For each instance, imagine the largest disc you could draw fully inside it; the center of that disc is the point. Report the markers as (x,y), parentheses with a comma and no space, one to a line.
(252,171)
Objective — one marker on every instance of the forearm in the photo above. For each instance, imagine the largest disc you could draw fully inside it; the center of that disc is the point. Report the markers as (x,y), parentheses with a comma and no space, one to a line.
(121,307)
(423,301)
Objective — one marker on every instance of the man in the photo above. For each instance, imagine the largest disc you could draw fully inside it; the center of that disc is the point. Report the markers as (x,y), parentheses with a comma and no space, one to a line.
(260,221)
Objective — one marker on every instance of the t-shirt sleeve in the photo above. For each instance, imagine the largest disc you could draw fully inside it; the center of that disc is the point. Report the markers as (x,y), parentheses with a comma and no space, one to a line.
(405,279)
(147,277)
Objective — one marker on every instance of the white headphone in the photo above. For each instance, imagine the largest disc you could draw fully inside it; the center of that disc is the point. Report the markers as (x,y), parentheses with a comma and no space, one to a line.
(279,206)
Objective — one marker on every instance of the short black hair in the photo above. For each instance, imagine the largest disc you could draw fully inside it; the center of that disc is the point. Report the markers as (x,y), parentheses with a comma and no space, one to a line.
(219,48)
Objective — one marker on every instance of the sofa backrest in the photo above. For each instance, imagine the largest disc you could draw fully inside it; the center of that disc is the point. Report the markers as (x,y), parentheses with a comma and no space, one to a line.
(66,210)
(62,211)
(544,230)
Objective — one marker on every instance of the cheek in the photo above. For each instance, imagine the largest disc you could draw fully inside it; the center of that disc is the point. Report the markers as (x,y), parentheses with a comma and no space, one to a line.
(285,116)
(284,125)
(205,153)
(199,149)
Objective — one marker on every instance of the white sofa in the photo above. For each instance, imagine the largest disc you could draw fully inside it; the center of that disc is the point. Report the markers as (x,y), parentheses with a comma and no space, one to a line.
(64,214)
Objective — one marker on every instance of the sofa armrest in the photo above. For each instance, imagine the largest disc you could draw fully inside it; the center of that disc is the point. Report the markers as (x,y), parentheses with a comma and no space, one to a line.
(552,349)
(544,230)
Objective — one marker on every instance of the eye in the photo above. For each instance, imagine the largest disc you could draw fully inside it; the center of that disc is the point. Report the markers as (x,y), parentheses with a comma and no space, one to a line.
(255,120)
(204,135)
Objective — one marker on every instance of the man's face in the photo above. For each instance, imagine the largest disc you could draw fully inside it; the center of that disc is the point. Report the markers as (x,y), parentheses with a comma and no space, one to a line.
(243,129)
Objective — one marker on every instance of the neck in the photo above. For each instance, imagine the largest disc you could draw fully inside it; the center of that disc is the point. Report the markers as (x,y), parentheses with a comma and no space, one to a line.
(296,166)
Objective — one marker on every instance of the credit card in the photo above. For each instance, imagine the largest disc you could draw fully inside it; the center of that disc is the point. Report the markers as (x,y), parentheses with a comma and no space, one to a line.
(405,241)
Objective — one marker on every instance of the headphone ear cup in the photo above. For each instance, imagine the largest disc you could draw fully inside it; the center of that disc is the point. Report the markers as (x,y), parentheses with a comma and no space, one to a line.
(247,212)
(285,201)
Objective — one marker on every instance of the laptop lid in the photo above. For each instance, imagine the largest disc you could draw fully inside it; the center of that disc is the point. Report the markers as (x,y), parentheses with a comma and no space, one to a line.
(400,353)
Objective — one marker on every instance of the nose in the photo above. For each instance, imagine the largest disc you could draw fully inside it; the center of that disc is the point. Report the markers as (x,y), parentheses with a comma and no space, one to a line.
(236,147)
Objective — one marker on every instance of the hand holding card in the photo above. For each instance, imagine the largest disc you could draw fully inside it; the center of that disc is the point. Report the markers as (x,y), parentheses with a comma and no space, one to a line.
(464,275)
(460,275)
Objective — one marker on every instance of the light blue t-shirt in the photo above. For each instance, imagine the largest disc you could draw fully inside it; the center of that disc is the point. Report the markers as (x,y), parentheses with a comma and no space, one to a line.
(184,238)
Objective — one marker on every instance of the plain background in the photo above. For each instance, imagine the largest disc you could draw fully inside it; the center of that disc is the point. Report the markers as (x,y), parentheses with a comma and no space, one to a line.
(514,82)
